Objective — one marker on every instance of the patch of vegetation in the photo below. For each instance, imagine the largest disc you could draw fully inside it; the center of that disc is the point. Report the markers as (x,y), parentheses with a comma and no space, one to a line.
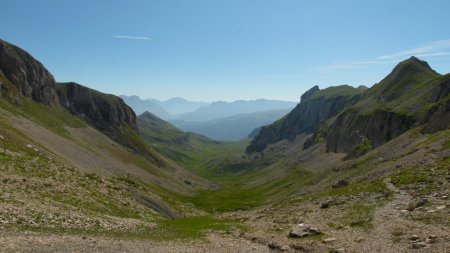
(376,186)
(56,119)
(359,214)
(228,199)
(363,147)
(411,176)
(337,91)
(431,218)
(192,227)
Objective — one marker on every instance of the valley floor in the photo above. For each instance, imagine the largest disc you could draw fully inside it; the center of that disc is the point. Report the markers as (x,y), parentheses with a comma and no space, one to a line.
(390,231)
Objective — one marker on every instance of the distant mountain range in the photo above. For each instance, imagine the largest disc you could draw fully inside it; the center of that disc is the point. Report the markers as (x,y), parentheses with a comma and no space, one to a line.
(221,109)
(168,109)
(140,106)
(177,105)
(231,128)
(218,120)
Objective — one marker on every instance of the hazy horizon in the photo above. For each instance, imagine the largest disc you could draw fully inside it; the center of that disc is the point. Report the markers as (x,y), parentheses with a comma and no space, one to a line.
(226,50)
(203,101)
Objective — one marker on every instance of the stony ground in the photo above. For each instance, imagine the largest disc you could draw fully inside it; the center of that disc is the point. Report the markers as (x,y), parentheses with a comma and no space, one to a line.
(390,230)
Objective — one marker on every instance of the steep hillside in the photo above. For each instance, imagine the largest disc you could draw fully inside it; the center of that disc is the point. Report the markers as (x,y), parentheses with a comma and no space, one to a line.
(23,76)
(107,113)
(316,107)
(354,121)
(231,128)
(169,140)
(406,98)
(78,163)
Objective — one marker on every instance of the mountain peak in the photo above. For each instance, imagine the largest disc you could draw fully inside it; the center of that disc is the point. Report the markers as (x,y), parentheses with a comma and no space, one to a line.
(414,63)
(149,115)
(412,70)
(309,93)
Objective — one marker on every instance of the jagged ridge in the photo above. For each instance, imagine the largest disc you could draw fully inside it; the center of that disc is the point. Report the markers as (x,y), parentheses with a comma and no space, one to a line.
(316,106)
(412,94)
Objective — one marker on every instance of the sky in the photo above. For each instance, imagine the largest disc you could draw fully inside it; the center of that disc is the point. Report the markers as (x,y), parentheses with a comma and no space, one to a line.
(208,50)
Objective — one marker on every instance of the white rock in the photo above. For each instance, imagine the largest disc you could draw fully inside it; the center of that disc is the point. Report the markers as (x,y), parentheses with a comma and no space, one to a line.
(440,207)
(331,239)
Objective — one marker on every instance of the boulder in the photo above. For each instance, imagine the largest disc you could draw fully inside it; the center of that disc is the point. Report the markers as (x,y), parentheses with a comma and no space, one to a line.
(412,206)
(340,184)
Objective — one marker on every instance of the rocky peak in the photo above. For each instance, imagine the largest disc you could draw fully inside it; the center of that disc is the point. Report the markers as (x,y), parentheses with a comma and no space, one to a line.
(316,107)
(309,93)
(404,77)
(148,115)
(413,64)
(28,76)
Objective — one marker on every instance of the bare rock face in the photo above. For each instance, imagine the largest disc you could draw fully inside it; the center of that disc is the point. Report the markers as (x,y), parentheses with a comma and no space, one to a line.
(105,112)
(354,121)
(438,117)
(28,76)
(316,106)
(411,95)
(351,127)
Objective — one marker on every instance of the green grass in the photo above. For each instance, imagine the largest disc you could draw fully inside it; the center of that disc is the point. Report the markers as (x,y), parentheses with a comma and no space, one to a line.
(376,186)
(411,176)
(163,230)
(56,119)
(359,214)
(192,227)
(227,199)
(337,91)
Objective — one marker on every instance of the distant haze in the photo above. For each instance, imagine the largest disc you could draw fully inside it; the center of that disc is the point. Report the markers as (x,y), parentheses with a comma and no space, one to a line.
(217,120)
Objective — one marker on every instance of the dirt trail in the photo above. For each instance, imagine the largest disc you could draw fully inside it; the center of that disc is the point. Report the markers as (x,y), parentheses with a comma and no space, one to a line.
(392,230)
(31,242)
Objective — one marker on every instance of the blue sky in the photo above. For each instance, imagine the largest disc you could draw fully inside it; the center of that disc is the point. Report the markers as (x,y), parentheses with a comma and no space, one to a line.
(226,50)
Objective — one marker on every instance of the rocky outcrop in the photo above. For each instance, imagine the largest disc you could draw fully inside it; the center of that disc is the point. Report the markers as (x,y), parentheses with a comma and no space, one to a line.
(351,128)
(108,113)
(28,76)
(411,95)
(315,107)
(438,116)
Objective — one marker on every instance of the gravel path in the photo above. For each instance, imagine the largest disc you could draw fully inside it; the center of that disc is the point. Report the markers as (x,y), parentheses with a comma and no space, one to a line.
(36,242)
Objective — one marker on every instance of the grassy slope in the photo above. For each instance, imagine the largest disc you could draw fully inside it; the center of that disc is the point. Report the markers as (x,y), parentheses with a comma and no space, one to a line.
(92,202)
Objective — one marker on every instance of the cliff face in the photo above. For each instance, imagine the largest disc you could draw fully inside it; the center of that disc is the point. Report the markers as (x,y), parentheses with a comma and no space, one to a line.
(28,76)
(412,95)
(438,116)
(106,112)
(351,128)
(393,106)
(316,106)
